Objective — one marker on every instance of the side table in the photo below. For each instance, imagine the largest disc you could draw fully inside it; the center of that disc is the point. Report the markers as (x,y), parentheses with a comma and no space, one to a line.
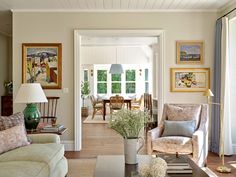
(38,131)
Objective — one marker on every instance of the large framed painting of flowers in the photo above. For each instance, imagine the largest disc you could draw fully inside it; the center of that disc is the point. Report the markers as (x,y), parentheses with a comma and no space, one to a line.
(190,79)
(41,63)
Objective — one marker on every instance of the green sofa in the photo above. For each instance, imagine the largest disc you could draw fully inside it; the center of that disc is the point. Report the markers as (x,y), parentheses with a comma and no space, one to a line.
(44,157)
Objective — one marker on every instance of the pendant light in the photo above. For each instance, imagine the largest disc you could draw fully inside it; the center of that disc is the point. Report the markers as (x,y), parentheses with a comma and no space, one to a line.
(116,68)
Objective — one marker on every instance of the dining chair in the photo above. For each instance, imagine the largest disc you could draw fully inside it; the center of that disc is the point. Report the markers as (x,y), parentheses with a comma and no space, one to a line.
(148,103)
(136,103)
(97,105)
(49,110)
(116,103)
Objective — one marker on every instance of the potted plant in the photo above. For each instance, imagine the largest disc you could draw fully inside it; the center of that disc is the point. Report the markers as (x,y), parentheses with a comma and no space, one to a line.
(85,91)
(129,123)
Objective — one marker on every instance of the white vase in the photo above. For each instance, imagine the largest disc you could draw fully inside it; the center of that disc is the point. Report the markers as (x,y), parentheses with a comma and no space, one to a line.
(131,148)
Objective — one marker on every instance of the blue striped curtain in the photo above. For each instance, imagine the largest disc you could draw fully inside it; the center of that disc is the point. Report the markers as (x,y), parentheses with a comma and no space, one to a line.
(215,115)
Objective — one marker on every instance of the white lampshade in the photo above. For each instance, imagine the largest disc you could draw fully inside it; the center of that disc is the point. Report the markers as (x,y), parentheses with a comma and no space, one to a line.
(208,92)
(116,69)
(30,93)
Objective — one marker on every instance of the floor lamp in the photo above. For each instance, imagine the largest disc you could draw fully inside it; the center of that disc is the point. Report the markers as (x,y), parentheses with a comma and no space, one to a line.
(222,168)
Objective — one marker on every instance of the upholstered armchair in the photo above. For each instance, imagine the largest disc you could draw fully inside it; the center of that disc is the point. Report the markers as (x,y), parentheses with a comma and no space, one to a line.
(183,129)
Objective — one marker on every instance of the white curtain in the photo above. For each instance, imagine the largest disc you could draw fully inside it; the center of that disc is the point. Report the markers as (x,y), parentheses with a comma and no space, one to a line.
(226,136)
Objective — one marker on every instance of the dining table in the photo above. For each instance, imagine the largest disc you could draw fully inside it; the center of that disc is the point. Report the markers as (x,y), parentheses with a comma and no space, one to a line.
(127,101)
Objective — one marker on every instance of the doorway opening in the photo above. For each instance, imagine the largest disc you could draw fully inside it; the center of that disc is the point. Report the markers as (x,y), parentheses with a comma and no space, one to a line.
(140,52)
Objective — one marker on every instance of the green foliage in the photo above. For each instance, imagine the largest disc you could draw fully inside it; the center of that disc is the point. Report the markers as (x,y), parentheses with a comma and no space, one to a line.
(102,75)
(116,77)
(130,75)
(128,123)
(102,88)
(130,87)
(85,90)
(116,88)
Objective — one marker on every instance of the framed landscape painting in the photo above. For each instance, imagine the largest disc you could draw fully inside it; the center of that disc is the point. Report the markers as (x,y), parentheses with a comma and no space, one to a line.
(190,79)
(190,52)
(41,63)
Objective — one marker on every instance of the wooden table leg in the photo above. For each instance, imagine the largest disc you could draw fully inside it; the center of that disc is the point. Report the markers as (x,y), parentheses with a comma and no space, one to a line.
(104,109)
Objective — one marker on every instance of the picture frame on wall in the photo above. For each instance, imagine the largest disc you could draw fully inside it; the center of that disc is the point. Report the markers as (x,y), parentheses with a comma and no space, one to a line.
(42,63)
(190,79)
(190,52)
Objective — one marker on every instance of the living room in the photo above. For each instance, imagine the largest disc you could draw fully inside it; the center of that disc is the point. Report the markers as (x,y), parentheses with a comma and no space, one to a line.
(37,23)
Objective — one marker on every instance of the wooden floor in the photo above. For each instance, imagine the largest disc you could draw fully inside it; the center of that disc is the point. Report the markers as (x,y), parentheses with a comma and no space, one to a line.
(98,139)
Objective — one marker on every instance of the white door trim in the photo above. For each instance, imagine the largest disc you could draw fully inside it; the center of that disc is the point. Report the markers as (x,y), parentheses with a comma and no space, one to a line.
(116,33)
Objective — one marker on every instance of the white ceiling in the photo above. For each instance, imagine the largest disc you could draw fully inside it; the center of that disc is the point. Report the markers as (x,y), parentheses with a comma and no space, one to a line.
(103,5)
(111,4)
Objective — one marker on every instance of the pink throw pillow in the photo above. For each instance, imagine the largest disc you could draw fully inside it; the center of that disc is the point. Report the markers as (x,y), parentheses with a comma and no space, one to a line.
(12,138)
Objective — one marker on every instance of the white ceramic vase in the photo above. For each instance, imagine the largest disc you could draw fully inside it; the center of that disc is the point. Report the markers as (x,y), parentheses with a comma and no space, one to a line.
(131,149)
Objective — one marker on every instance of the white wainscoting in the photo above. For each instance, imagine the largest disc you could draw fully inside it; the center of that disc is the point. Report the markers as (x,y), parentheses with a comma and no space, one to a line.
(69,145)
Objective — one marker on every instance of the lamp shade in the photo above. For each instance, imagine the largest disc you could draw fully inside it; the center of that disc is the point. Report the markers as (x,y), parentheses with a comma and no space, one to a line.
(116,69)
(208,92)
(30,93)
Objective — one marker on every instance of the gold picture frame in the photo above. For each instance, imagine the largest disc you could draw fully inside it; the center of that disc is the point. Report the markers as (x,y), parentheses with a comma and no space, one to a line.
(190,79)
(41,63)
(190,52)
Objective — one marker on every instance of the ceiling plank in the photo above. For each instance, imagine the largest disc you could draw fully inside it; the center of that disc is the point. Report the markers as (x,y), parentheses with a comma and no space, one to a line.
(124,4)
(116,4)
(107,4)
(149,4)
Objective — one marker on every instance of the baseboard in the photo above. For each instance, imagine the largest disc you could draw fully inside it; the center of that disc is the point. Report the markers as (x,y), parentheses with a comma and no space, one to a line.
(234,148)
(69,145)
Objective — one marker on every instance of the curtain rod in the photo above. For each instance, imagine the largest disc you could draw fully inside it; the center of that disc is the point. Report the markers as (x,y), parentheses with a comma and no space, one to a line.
(227,13)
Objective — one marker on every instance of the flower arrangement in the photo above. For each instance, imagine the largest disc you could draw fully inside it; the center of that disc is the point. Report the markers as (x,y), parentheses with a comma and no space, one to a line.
(85,90)
(9,87)
(128,123)
(157,168)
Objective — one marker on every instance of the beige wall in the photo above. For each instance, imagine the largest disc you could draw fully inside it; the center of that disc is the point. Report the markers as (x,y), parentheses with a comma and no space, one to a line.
(5,63)
(58,27)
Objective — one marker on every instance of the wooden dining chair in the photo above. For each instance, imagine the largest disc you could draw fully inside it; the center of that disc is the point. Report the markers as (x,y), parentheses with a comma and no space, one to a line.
(116,103)
(148,103)
(136,103)
(97,105)
(49,110)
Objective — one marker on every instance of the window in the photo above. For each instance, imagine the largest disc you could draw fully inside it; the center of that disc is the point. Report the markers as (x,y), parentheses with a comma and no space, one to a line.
(146,81)
(115,83)
(85,75)
(130,78)
(101,81)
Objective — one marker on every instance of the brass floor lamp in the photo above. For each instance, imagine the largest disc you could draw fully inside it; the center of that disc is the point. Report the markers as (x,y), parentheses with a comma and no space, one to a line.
(222,168)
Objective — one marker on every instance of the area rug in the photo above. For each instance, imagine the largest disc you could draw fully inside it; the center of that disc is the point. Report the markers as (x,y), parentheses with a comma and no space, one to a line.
(81,167)
(98,119)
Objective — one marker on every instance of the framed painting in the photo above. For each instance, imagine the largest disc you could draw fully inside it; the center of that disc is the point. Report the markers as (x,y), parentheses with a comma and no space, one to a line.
(190,52)
(190,79)
(41,63)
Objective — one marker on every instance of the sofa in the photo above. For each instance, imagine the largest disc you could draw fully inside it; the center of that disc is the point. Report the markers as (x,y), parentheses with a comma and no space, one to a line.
(44,157)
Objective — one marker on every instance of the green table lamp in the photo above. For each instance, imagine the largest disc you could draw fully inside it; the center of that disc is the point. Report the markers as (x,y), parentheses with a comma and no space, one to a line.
(31,94)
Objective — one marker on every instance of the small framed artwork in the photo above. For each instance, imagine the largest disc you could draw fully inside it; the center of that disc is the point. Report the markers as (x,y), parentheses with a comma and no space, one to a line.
(190,79)
(190,52)
(41,63)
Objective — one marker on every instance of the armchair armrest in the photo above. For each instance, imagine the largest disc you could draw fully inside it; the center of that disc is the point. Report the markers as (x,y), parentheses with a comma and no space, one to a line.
(44,138)
(151,135)
(200,146)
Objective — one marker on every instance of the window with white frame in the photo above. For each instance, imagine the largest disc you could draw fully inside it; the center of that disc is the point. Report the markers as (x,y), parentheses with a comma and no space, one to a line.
(116,83)
(102,81)
(130,79)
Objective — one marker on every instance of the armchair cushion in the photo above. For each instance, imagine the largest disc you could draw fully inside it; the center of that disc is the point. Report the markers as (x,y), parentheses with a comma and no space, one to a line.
(191,112)
(173,144)
(179,128)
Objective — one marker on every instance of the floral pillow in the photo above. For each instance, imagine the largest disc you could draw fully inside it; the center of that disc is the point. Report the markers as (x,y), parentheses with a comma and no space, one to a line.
(12,138)
(11,121)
